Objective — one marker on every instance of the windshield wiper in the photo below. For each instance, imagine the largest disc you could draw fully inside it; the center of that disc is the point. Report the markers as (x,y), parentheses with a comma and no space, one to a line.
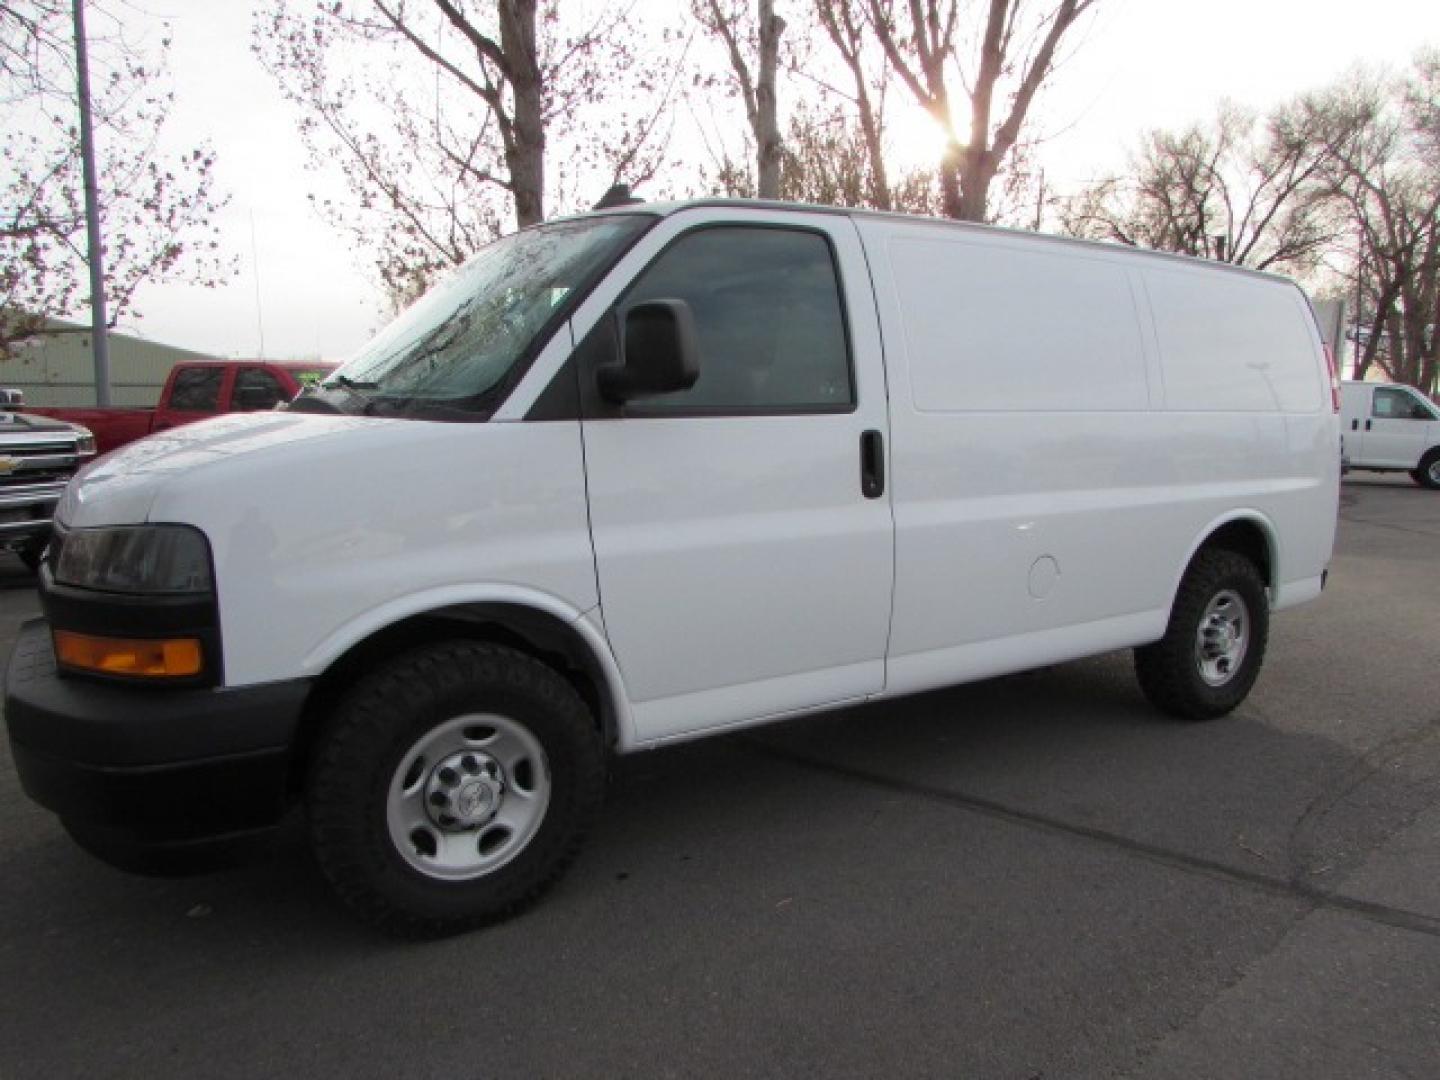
(353,384)
(320,397)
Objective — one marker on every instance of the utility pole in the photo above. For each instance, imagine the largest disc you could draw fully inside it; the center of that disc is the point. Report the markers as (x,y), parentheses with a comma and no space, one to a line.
(98,334)
(1355,372)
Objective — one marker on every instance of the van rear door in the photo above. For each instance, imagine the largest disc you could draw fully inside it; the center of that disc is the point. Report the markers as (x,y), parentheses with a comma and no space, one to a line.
(744,557)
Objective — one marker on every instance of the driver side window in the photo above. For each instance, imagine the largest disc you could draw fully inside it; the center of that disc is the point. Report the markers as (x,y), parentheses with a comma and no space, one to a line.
(768,316)
(1392,404)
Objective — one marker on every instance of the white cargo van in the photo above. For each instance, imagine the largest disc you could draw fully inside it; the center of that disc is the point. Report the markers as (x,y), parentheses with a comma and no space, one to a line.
(637,477)
(1388,427)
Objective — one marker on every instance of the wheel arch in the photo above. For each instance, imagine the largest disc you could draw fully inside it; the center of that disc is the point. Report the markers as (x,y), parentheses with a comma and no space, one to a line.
(1246,532)
(541,626)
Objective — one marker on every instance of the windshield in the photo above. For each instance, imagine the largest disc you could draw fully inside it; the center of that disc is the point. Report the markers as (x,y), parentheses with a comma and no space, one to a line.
(448,354)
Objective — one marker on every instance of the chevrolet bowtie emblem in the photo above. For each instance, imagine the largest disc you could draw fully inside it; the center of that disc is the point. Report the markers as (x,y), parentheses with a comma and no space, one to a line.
(8,465)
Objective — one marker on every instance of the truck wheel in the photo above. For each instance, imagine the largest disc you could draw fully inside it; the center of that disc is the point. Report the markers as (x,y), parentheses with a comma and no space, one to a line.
(452,786)
(1210,655)
(1427,475)
(31,551)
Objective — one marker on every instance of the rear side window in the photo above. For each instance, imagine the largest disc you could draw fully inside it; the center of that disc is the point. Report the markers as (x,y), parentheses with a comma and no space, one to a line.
(256,389)
(197,389)
(769,318)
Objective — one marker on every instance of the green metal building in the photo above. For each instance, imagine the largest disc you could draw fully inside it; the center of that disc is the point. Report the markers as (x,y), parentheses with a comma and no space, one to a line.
(57,367)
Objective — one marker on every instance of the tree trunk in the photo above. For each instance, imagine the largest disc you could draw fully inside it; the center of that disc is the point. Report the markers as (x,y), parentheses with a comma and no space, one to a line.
(525,150)
(918,54)
(950,201)
(767,124)
(977,172)
(870,128)
(839,19)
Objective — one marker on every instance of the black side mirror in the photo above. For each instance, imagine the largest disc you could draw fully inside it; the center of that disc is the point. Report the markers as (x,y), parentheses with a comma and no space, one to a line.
(661,352)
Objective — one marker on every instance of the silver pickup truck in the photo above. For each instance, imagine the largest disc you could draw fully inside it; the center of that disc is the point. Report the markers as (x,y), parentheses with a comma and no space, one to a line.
(38,456)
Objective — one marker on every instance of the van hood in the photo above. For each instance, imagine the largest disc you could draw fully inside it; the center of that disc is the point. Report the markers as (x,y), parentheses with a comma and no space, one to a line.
(121,487)
(335,526)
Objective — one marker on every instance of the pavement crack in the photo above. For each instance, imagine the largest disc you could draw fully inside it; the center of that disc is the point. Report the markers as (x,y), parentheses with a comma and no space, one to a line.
(1286,888)
(1361,771)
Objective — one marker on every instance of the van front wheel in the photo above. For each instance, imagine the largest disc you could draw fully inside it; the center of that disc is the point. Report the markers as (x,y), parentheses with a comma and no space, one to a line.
(452,786)
(1210,655)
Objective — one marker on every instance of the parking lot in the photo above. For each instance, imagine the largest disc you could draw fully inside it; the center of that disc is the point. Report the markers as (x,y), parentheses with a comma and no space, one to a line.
(1035,876)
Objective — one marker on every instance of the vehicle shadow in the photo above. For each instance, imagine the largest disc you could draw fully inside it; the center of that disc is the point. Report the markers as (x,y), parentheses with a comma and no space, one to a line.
(1069,749)
(966,831)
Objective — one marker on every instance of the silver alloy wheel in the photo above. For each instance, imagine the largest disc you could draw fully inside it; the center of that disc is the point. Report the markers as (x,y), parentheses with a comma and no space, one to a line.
(1222,637)
(468,796)
(1434,471)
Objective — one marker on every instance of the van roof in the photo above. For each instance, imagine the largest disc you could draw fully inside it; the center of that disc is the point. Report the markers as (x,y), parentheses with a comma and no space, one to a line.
(665,209)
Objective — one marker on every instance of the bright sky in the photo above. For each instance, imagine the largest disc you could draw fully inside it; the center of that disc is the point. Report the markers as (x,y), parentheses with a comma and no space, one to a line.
(1144,63)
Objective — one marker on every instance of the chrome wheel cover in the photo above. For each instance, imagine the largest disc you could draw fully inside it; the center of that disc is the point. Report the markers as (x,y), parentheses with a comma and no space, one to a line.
(1222,638)
(468,796)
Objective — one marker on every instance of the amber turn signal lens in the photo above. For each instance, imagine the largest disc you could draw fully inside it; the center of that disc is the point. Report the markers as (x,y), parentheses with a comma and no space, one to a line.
(169,658)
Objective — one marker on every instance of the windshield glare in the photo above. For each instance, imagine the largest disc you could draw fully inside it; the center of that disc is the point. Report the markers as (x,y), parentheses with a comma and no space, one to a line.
(454,346)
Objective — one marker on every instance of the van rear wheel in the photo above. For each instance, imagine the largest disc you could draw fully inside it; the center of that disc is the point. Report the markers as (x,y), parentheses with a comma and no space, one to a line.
(452,786)
(1214,643)
(1427,475)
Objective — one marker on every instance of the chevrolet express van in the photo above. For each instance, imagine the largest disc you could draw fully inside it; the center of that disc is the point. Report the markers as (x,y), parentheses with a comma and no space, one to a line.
(1388,427)
(642,476)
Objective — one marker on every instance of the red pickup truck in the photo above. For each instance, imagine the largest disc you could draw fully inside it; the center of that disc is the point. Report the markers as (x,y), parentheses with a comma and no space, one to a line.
(194,391)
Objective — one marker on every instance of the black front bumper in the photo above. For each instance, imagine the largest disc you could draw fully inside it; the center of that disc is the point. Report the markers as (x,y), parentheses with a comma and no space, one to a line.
(160,765)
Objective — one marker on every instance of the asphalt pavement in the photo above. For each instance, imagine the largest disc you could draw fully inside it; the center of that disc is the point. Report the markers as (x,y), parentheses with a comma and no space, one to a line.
(1034,876)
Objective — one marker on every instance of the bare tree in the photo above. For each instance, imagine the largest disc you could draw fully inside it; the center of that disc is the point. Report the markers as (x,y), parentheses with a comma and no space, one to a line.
(828,161)
(446,118)
(1382,137)
(760,39)
(1018,45)
(157,208)
(844,24)
(1225,190)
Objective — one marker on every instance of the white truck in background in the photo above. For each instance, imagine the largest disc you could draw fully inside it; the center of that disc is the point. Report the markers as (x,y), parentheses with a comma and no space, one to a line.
(1388,427)
(653,474)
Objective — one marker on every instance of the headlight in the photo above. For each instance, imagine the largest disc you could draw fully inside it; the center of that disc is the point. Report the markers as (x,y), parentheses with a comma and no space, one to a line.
(136,559)
(84,441)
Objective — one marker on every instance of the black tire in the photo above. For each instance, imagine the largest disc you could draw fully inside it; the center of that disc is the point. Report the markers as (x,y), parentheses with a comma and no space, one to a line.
(1427,474)
(1171,671)
(381,722)
(31,551)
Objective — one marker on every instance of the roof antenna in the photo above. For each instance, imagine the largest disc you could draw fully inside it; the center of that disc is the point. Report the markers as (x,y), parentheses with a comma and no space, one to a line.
(618,195)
